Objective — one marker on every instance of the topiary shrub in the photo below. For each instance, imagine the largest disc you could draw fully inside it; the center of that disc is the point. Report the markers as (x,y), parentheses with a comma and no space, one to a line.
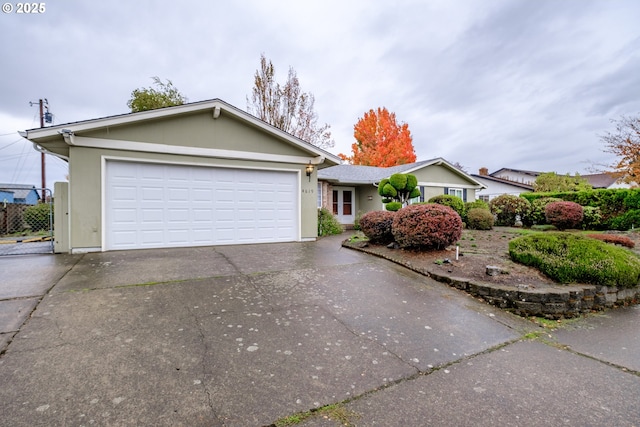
(37,216)
(376,226)
(508,207)
(591,218)
(537,215)
(397,190)
(454,202)
(615,239)
(563,214)
(567,257)
(327,223)
(479,219)
(430,226)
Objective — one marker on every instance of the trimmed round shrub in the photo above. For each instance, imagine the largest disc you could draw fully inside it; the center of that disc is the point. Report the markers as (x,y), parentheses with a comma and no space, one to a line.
(479,219)
(393,206)
(412,182)
(398,180)
(537,215)
(389,190)
(381,185)
(507,208)
(376,225)
(479,204)
(429,226)
(563,214)
(570,258)
(454,202)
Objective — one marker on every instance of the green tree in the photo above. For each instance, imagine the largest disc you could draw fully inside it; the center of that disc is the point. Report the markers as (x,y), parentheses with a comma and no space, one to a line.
(552,182)
(287,107)
(397,190)
(166,95)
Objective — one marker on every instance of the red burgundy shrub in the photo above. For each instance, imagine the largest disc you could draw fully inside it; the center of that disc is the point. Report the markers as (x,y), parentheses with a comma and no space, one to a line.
(615,239)
(564,214)
(376,226)
(429,226)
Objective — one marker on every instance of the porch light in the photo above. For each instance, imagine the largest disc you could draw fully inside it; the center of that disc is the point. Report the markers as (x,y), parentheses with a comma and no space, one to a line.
(309,170)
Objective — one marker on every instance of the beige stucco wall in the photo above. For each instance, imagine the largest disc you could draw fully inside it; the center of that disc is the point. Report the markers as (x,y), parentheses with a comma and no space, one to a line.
(86,172)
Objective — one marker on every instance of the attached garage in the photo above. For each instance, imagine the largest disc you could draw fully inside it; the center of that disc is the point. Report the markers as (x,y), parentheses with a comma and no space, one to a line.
(193,175)
(150,205)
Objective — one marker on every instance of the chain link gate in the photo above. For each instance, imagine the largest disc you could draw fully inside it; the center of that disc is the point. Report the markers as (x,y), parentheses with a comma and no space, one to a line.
(26,220)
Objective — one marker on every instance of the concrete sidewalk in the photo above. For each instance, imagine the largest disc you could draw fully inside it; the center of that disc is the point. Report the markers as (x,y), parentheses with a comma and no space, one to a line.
(249,335)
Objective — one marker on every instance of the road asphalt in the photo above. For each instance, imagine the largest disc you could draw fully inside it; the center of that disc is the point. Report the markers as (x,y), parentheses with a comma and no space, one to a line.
(311,333)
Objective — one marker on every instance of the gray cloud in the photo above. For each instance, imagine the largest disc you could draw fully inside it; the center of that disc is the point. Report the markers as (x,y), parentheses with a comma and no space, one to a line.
(510,83)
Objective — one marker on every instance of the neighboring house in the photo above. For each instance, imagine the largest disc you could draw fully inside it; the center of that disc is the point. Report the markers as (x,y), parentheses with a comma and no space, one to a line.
(516,175)
(198,174)
(604,180)
(348,189)
(495,186)
(517,181)
(19,194)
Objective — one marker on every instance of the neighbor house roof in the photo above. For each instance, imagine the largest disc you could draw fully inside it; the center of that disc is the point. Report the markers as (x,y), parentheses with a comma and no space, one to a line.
(600,180)
(522,171)
(356,174)
(20,191)
(504,181)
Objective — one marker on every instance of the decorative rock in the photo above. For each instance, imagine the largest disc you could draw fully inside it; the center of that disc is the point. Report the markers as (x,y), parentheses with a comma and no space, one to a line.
(393,245)
(492,270)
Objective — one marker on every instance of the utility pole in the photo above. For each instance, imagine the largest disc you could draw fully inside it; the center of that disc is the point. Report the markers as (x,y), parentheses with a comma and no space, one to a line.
(43,115)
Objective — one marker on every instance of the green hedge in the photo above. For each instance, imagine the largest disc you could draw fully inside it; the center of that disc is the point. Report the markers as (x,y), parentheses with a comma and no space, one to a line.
(567,258)
(611,203)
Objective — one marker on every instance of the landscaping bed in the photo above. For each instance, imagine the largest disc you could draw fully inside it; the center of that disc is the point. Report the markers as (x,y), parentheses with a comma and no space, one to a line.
(512,286)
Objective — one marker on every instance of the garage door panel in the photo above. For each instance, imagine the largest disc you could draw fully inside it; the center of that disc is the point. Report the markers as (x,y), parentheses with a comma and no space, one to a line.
(152,205)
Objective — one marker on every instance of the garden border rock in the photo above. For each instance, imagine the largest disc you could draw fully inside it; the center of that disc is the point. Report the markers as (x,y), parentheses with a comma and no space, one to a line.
(551,302)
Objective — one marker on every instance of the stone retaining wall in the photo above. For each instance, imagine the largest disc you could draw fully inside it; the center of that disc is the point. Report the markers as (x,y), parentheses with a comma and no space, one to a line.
(562,301)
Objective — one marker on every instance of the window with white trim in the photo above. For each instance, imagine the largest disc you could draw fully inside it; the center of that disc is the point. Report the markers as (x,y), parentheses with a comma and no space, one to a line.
(319,195)
(456,192)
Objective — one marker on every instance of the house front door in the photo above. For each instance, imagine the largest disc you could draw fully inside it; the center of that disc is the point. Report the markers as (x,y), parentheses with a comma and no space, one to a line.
(344,204)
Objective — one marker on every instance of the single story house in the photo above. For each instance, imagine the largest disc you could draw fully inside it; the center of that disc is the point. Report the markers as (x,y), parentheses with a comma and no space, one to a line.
(347,190)
(198,174)
(20,194)
(496,186)
(517,181)
(516,175)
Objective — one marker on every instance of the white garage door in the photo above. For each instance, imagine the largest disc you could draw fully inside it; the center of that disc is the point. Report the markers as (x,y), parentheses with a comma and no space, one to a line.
(151,205)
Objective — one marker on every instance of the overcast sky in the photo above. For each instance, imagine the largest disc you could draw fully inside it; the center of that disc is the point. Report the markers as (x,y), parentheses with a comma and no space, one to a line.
(525,84)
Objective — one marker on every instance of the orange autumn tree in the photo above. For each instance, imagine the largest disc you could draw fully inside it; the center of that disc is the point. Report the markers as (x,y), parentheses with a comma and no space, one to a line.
(380,141)
(625,143)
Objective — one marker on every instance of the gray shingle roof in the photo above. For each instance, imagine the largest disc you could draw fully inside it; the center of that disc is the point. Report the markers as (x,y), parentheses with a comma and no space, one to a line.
(600,180)
(356,174)
(20,191)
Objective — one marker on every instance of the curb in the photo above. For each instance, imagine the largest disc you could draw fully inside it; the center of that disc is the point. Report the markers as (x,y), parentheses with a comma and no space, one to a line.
(564,301)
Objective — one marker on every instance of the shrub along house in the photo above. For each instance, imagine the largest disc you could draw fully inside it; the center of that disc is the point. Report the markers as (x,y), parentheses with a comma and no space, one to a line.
(197,174)
(347,190)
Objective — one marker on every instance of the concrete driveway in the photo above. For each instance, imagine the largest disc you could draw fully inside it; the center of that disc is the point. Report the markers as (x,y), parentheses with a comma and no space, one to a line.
(248,335)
